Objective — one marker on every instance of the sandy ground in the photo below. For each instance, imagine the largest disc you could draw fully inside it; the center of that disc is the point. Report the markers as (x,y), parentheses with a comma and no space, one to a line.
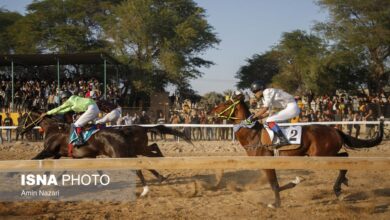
(228,194)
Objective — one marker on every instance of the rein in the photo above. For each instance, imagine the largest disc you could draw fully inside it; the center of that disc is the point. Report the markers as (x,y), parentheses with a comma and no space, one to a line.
(33,123)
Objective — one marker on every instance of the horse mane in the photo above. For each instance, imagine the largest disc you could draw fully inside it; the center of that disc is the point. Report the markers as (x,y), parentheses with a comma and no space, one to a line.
(245,106)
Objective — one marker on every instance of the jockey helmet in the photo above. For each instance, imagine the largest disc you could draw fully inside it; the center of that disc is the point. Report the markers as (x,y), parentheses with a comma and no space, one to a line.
(257,86)
(66,95)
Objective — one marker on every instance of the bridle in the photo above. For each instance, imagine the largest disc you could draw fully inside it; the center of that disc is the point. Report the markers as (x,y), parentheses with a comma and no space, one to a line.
(230,108)
(33,122)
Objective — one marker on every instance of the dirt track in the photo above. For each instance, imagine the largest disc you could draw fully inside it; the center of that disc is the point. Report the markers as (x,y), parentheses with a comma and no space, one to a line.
(195,194)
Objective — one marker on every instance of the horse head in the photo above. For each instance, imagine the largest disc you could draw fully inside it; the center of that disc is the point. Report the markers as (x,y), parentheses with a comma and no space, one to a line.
(32,119)
(29,121)
(234,109)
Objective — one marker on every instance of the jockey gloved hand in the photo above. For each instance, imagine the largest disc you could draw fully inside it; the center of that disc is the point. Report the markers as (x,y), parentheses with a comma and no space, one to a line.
(250,119)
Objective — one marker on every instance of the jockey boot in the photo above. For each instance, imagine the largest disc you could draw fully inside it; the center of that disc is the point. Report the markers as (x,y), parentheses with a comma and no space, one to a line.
(278,132)
(282,139)
(80,138)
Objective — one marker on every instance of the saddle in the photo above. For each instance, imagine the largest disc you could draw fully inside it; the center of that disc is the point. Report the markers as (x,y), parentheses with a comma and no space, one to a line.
(87,132)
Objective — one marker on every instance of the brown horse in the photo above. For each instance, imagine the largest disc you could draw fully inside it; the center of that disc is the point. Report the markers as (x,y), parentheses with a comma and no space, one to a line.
(317,140)
(129,141)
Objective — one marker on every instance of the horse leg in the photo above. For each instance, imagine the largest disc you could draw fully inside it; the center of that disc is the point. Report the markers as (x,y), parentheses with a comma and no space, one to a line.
(42,155)
(341,179)
(154,151)
(273,180)
(160,177)
(291,184)
(142,178)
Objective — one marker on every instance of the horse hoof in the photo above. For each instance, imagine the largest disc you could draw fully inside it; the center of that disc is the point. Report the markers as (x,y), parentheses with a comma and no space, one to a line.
(338,193)
(163,178)
(298,179)
(341,197)
(273,206)
(145,191)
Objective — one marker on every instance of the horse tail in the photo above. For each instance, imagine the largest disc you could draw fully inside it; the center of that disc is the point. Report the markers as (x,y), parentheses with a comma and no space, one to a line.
(352,143)
(166,130)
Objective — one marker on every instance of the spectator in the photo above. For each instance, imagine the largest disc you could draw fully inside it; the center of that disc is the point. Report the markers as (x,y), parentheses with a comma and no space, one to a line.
(144,118)
(161,120)
(195,120)
(203,120)
(20,122)
(357,117)
(8,122)
(210,131)
(135,119)
(349,117)
(371,114)
(187,120)
(175,118)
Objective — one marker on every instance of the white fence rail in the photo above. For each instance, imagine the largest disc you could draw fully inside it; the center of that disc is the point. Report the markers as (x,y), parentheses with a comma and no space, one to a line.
(231,125)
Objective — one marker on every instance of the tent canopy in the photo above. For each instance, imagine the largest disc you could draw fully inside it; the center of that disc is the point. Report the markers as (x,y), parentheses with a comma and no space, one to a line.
(53,59)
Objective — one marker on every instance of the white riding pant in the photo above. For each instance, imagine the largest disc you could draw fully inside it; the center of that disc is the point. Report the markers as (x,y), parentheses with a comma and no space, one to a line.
(89,115)
(111,117)
(292,110)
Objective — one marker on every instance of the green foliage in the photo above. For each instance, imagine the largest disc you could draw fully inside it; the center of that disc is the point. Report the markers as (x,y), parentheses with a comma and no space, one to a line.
(160,39)
(362,27)
(260,66)
(300,57)
(61,26)
(7,20)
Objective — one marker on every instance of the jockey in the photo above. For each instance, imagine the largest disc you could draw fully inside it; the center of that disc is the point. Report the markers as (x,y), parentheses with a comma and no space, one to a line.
(114,112)
(274,98)
(77,104)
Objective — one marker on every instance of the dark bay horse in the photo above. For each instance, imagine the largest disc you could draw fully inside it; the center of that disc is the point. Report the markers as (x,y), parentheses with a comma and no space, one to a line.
(317,140)
(129,141)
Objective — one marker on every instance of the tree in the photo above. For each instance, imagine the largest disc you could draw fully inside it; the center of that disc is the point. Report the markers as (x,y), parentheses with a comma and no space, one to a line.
(362,27)
(343,70)
(61,26)
(211,99)
(260,66)
(160,40)
(299,59)
(7,19)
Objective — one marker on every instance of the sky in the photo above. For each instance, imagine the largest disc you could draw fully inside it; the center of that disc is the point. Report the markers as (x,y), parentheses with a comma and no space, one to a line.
(245,28)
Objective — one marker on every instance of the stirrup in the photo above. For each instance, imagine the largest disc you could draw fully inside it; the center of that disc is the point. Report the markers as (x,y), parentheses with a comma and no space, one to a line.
(79,141)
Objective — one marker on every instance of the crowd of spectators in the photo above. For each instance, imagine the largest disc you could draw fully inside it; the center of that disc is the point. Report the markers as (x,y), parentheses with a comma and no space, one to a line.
(346,108)
(44,94)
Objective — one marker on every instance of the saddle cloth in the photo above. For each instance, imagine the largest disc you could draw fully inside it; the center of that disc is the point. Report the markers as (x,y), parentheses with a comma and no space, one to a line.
(243,124)
(292,133)
(87,134)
